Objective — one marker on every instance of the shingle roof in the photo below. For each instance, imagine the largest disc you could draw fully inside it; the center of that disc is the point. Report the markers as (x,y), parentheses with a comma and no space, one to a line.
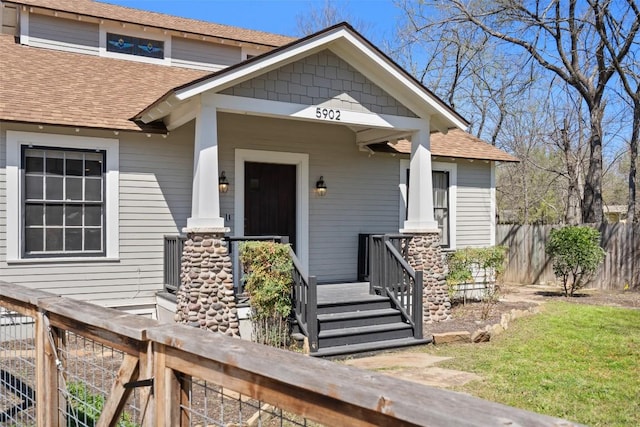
(458,144)
(60,88)
(153,19)
(53,87)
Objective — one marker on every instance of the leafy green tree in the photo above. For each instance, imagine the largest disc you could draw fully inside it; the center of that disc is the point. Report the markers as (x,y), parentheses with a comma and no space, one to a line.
(576,255)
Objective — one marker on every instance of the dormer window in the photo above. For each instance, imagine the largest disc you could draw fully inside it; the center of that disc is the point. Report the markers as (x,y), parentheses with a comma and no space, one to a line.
(129,45)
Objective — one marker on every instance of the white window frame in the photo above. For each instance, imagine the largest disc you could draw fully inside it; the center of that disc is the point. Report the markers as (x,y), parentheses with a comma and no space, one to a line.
(452,168)
(301,161)
(15,141)
(131,32)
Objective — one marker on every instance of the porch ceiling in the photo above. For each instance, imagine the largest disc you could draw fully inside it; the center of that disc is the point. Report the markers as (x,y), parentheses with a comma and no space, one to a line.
(366,136)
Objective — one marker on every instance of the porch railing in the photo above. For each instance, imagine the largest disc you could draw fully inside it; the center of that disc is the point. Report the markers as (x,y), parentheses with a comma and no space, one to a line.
(305,296)
(173,246)
(391,275)
(78,364)
(234,250)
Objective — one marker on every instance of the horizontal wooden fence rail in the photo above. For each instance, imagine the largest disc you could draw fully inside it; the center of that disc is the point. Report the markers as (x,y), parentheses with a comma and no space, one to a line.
(175,375)
(528,262)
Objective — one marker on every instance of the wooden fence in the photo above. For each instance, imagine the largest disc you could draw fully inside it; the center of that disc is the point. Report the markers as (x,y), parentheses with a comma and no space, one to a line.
(529,264)
(183,376)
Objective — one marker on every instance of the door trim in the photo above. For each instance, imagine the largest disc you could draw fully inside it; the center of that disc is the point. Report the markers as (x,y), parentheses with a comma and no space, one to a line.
(301,160)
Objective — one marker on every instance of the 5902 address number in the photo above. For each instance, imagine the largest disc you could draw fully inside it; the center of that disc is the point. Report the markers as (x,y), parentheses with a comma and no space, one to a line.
(327,113)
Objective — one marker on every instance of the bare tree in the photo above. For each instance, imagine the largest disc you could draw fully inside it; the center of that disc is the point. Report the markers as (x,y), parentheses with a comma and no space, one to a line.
(628,69)
(326,15)
(462,65)
(566,39)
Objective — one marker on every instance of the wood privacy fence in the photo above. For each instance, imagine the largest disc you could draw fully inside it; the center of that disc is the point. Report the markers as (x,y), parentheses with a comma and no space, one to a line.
(70,363)
(529,264)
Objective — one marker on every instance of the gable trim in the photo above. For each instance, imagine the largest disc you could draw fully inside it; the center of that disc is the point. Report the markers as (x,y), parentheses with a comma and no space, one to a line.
(341,39)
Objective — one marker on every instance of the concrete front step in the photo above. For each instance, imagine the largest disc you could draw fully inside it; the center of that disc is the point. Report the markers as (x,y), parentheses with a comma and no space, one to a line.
(343,350)
(350,319)
(362,334)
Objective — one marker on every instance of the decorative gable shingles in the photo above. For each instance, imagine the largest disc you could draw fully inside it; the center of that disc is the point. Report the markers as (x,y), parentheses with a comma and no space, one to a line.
(322,79)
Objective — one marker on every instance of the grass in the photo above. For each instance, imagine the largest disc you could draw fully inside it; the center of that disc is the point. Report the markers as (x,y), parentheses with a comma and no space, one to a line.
(574,361)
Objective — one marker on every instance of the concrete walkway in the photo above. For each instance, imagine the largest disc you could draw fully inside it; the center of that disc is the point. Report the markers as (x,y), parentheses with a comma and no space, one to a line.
(416,367)
(422,368)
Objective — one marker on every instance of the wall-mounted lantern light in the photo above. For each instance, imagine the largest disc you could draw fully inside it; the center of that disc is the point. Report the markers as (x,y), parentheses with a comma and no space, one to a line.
(321,187)
(223,184)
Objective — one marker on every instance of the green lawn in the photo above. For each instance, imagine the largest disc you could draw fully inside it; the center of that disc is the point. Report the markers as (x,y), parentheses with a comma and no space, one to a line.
(573,361)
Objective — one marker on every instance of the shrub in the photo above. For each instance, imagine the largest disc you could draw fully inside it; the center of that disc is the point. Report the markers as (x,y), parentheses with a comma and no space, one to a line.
(268,282)
(576,255)
(85,408)
(467,265)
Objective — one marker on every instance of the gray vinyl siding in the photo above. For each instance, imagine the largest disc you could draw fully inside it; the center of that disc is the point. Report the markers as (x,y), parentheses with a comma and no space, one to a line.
(9,22)
(473,204)
(155,199)
(362,196)
(204,55)
(65,34)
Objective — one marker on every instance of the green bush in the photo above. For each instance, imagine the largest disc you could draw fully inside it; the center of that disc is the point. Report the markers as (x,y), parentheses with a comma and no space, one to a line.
(85,407)
(576,255)
(268,282)
(488,263)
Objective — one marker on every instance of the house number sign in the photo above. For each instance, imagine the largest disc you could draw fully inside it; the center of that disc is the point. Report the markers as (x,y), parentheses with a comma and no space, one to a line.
(328,114)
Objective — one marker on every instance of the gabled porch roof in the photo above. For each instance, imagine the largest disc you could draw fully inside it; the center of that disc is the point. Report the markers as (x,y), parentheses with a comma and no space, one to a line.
(342,40)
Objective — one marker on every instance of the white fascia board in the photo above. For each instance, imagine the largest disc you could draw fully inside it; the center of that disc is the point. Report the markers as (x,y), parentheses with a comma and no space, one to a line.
(263,66)
(160,110)
(183,113)
(263,107)
(401,77)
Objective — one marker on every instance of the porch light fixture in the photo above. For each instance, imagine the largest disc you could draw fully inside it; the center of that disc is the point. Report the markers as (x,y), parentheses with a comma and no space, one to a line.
(321,187)
(223,184)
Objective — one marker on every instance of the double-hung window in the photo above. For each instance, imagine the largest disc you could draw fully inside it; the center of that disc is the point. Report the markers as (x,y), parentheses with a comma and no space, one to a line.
(63,201)
(441,204)
(444,191)
(62,197)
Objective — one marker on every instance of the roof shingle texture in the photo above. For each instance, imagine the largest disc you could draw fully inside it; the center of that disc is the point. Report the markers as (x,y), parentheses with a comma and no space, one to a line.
(459,144)
(53,87)
(160,20)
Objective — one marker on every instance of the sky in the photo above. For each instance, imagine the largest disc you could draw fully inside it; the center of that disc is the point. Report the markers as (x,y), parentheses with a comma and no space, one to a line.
(276,16)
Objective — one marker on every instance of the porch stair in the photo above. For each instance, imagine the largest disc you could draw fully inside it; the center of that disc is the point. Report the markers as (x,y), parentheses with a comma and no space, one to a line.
(350,320)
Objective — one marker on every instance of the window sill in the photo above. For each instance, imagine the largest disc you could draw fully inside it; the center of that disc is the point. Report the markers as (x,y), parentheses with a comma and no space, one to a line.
(65,260)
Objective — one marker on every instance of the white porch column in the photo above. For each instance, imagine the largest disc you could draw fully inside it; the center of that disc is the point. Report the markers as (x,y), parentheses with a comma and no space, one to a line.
(206,297)
(423,252)
(420,210)
(205,205)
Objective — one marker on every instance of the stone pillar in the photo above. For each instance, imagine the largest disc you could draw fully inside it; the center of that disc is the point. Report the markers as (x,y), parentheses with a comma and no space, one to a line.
(424,254)
(206,297)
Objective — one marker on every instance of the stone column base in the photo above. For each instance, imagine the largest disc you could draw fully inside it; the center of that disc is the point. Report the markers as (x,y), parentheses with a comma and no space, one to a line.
(206,297)
(424,254)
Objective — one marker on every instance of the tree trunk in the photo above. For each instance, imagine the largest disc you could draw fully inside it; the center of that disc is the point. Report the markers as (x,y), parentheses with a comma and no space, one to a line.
(572,214)
(592,204)
(633,159)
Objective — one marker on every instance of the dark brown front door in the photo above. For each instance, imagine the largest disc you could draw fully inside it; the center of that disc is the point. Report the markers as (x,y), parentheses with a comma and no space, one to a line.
(270,200)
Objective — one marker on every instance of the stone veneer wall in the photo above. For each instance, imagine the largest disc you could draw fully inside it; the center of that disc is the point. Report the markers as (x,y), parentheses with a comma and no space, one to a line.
(206,297)
(424,254)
